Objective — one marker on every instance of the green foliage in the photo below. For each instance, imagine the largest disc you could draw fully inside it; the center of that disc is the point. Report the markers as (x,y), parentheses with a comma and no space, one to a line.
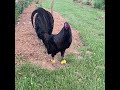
(20,6)
(99,4)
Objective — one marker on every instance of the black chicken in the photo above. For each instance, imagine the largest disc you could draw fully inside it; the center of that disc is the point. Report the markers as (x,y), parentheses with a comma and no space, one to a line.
(54,43)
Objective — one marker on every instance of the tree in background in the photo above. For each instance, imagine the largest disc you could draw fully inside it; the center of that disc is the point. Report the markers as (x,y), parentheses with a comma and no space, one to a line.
(52,4)
(40,2)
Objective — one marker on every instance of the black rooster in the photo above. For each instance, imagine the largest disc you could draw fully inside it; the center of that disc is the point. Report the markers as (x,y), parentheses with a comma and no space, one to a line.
(44,26)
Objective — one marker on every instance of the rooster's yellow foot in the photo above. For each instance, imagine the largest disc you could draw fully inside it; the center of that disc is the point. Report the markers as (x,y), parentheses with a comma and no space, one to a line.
(63,61)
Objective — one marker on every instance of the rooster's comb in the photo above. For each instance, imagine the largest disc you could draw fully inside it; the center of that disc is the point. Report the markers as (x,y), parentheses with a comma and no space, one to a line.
(66,25)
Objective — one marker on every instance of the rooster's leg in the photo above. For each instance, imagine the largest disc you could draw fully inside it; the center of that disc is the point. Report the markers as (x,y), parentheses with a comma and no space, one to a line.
(53,61)
(62,55)
(63,61)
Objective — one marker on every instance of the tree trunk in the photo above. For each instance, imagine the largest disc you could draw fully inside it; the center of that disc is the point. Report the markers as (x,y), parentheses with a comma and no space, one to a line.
(40,2)
(52,4)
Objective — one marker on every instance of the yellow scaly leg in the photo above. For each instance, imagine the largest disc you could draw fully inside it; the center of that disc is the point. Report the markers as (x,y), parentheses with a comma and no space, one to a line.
(63,61)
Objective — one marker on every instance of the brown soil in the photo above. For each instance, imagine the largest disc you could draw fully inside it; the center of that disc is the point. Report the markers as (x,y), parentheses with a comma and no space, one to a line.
(31,48)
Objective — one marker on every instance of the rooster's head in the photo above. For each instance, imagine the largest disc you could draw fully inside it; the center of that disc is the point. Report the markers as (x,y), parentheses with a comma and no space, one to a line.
(66,26)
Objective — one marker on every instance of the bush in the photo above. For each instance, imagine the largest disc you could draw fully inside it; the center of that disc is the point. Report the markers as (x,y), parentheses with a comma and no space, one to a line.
(99,4)
(96,3)
(20,6)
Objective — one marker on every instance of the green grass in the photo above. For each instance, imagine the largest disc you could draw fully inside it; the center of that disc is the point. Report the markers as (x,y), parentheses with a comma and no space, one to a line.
(85,74)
